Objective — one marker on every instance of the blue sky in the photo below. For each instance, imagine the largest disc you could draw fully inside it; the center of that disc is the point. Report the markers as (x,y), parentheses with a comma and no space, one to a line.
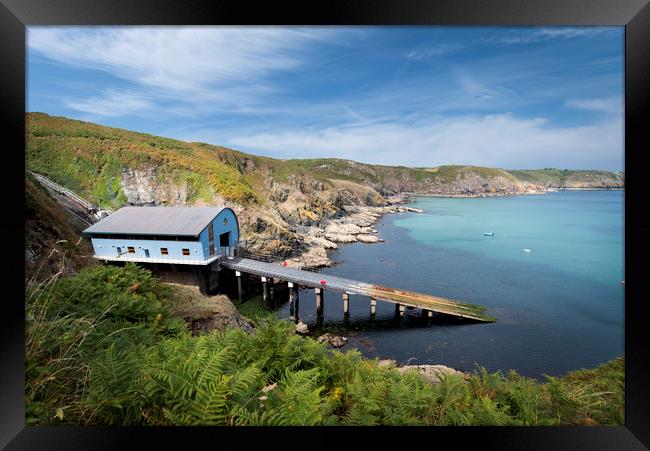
(510,97)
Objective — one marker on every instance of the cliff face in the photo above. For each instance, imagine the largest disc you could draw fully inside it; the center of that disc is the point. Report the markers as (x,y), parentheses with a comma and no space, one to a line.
(286,207)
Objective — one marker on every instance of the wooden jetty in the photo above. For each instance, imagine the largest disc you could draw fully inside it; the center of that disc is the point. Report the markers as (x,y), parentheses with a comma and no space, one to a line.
(402,298)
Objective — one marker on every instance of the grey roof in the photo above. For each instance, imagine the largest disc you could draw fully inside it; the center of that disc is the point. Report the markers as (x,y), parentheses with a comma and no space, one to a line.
(186,221)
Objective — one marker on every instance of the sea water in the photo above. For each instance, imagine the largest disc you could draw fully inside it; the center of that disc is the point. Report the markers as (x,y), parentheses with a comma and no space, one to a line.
(559,306)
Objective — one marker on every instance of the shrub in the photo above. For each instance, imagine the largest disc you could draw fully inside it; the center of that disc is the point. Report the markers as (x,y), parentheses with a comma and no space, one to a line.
(102,348)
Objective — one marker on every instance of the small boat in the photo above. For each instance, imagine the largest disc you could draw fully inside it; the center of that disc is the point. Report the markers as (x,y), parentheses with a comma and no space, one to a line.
(488,233)
(526,250)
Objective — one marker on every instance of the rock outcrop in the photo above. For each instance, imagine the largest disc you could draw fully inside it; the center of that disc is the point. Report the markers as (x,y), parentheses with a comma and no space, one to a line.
(206,313)
(336,341)
(302,328)
(432,373)
(143,187)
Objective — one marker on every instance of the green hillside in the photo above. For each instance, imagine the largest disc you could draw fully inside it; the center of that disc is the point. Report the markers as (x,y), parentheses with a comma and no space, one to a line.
(566,177)
(90,160)
(449,173)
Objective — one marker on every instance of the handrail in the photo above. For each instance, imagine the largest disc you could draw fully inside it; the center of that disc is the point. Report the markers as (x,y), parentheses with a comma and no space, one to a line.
(269,258)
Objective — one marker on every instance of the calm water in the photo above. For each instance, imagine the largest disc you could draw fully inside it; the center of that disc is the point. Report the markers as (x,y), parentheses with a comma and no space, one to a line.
(559,307)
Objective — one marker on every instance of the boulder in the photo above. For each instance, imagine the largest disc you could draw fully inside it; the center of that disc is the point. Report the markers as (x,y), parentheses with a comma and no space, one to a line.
(432,373)
(324,338)
(302,328)
(342,229)
(341,238)
(338,341)
(368,238)
(387,363)
(335,340)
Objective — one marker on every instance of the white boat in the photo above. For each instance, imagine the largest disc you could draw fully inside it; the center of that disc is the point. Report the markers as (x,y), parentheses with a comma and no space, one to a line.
(488,233)
(526,250)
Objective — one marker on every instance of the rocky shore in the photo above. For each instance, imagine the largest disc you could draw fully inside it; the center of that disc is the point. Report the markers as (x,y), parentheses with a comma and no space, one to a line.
(356,225)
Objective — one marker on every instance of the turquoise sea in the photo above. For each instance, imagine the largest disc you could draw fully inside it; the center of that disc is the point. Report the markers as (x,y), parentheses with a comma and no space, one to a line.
(559,307)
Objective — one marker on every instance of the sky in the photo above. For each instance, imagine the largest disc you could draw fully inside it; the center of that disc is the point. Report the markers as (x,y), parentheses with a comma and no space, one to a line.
(508,97)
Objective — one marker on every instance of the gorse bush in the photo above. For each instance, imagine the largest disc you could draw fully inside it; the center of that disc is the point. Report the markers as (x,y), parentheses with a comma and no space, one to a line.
(103,350)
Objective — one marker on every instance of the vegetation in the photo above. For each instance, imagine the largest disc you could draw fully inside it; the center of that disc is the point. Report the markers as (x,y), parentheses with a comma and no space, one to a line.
(449,173)
(50,233)
(566,177)
(89,159)
(103,348)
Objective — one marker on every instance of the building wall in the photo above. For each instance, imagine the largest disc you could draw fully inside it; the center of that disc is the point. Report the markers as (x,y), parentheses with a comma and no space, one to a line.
(199,250)
(219,227)
(108,248)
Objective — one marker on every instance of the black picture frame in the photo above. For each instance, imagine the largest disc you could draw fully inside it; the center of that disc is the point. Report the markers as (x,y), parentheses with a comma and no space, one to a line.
(15,15)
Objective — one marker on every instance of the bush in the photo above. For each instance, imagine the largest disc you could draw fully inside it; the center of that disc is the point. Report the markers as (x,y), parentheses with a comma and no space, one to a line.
(102,349)
(70,321)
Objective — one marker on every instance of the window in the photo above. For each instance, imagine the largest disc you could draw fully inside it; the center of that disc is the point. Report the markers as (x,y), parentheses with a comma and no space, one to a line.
(164,251)
(146,253)
(225,221)
(186,252)
(119,250)
(131,249)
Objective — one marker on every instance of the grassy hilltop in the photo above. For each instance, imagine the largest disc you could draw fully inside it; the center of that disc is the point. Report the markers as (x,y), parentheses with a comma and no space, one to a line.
(89,159)
(560,178)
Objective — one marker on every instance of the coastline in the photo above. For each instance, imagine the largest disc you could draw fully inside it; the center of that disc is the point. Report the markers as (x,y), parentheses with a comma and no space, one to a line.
(357,224)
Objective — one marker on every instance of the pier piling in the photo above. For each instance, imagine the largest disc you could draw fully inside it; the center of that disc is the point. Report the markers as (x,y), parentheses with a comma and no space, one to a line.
(319,301)
(346,304)
(319,305)
(265,293)
(238,274)
(402,298)
(291,308)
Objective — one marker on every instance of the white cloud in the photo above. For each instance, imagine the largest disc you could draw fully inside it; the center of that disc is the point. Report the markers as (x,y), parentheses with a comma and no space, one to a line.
(113,103)
(213,67)
(480,90)
(572,32)
(496,140)
(433,51)
(545,34)
(611,105)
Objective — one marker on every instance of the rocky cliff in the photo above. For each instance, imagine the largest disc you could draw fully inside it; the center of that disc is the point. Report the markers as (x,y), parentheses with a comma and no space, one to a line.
(292,208)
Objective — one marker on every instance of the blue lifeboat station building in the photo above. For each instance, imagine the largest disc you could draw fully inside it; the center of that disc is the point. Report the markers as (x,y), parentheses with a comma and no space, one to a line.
(169,239)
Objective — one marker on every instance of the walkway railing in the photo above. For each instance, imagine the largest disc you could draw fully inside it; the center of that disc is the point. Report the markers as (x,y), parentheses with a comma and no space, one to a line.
(269,258)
